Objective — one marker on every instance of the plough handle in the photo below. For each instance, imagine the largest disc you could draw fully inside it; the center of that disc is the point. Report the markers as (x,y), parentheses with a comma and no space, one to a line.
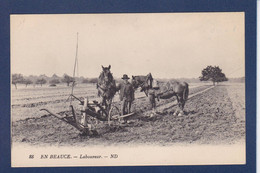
(81,102)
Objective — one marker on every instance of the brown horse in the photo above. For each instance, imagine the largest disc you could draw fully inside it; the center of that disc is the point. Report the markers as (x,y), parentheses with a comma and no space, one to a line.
(178,89)
(145,82)
(106,87)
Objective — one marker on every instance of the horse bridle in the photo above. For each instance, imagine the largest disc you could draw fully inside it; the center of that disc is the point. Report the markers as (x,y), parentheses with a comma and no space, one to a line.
(107,87)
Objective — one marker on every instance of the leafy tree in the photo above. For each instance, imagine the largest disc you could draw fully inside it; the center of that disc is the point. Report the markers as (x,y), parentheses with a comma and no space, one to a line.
(90,80)
(27,82)
(67,79)
(85,81)
(54,81)
(93,80)
(41,81)
(17,78)
(55,76)
(213,74)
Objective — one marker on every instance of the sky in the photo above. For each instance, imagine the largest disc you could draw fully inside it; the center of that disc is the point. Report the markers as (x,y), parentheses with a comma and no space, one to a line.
(169,45)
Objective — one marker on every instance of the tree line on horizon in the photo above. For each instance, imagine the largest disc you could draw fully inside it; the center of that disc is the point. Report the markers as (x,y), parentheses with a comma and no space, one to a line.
(52,81)
(210,73)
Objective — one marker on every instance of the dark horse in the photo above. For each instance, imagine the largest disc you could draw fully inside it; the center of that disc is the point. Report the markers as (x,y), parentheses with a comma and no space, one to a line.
(106,87)
(178,89)
(145,82)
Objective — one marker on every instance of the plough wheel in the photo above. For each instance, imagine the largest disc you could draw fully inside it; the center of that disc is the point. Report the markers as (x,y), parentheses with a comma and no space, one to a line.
(114,116)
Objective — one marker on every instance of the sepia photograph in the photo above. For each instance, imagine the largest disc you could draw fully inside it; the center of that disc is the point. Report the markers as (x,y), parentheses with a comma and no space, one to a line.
(127,89)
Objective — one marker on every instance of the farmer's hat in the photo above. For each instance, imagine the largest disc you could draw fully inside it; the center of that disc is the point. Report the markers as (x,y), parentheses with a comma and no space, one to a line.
(125,76)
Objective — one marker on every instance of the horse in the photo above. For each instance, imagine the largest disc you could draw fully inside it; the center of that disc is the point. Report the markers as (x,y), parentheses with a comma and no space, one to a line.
(145,82)
(178,89)
(106,87)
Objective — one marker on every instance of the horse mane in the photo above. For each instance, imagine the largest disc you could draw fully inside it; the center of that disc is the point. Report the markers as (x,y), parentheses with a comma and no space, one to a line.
(149,80)
(101,76)
(149,76)
(110,76)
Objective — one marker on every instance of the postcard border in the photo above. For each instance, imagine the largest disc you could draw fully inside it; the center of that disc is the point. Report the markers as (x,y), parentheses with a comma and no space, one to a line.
(8,7)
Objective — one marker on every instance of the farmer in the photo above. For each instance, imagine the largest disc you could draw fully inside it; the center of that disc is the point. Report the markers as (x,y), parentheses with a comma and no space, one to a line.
(126,95)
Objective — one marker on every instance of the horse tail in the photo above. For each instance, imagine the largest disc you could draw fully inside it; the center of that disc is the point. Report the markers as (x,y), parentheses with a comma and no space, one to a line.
(186,92)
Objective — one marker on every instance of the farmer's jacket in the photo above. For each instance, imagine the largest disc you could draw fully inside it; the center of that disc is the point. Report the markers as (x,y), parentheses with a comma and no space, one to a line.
(126,91)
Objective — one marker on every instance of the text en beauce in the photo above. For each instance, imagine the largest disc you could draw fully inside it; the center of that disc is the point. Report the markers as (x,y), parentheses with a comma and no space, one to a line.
(56,156)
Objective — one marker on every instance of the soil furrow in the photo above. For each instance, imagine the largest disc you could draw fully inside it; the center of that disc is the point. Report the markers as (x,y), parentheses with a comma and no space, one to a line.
(210,118)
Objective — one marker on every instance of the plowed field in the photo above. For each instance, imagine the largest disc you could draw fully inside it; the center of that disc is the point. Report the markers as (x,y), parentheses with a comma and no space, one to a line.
(215,116)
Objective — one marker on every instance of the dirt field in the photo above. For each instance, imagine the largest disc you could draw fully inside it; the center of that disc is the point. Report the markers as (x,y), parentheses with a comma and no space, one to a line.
(215,116)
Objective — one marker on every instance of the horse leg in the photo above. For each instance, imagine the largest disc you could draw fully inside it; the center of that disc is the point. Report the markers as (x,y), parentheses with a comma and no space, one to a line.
(181,105)
(102,101)
(154,104)
(185,96)
(105,103)
(176,111)
(109,104)
(152,101)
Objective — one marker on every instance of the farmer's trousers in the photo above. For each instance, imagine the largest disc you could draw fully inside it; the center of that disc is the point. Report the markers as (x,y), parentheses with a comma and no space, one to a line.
(126,106)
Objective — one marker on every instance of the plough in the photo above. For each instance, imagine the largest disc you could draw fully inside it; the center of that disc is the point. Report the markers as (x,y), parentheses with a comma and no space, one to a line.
(90,109)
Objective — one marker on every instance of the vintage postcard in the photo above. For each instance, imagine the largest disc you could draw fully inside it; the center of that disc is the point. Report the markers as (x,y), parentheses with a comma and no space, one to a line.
(128,89)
